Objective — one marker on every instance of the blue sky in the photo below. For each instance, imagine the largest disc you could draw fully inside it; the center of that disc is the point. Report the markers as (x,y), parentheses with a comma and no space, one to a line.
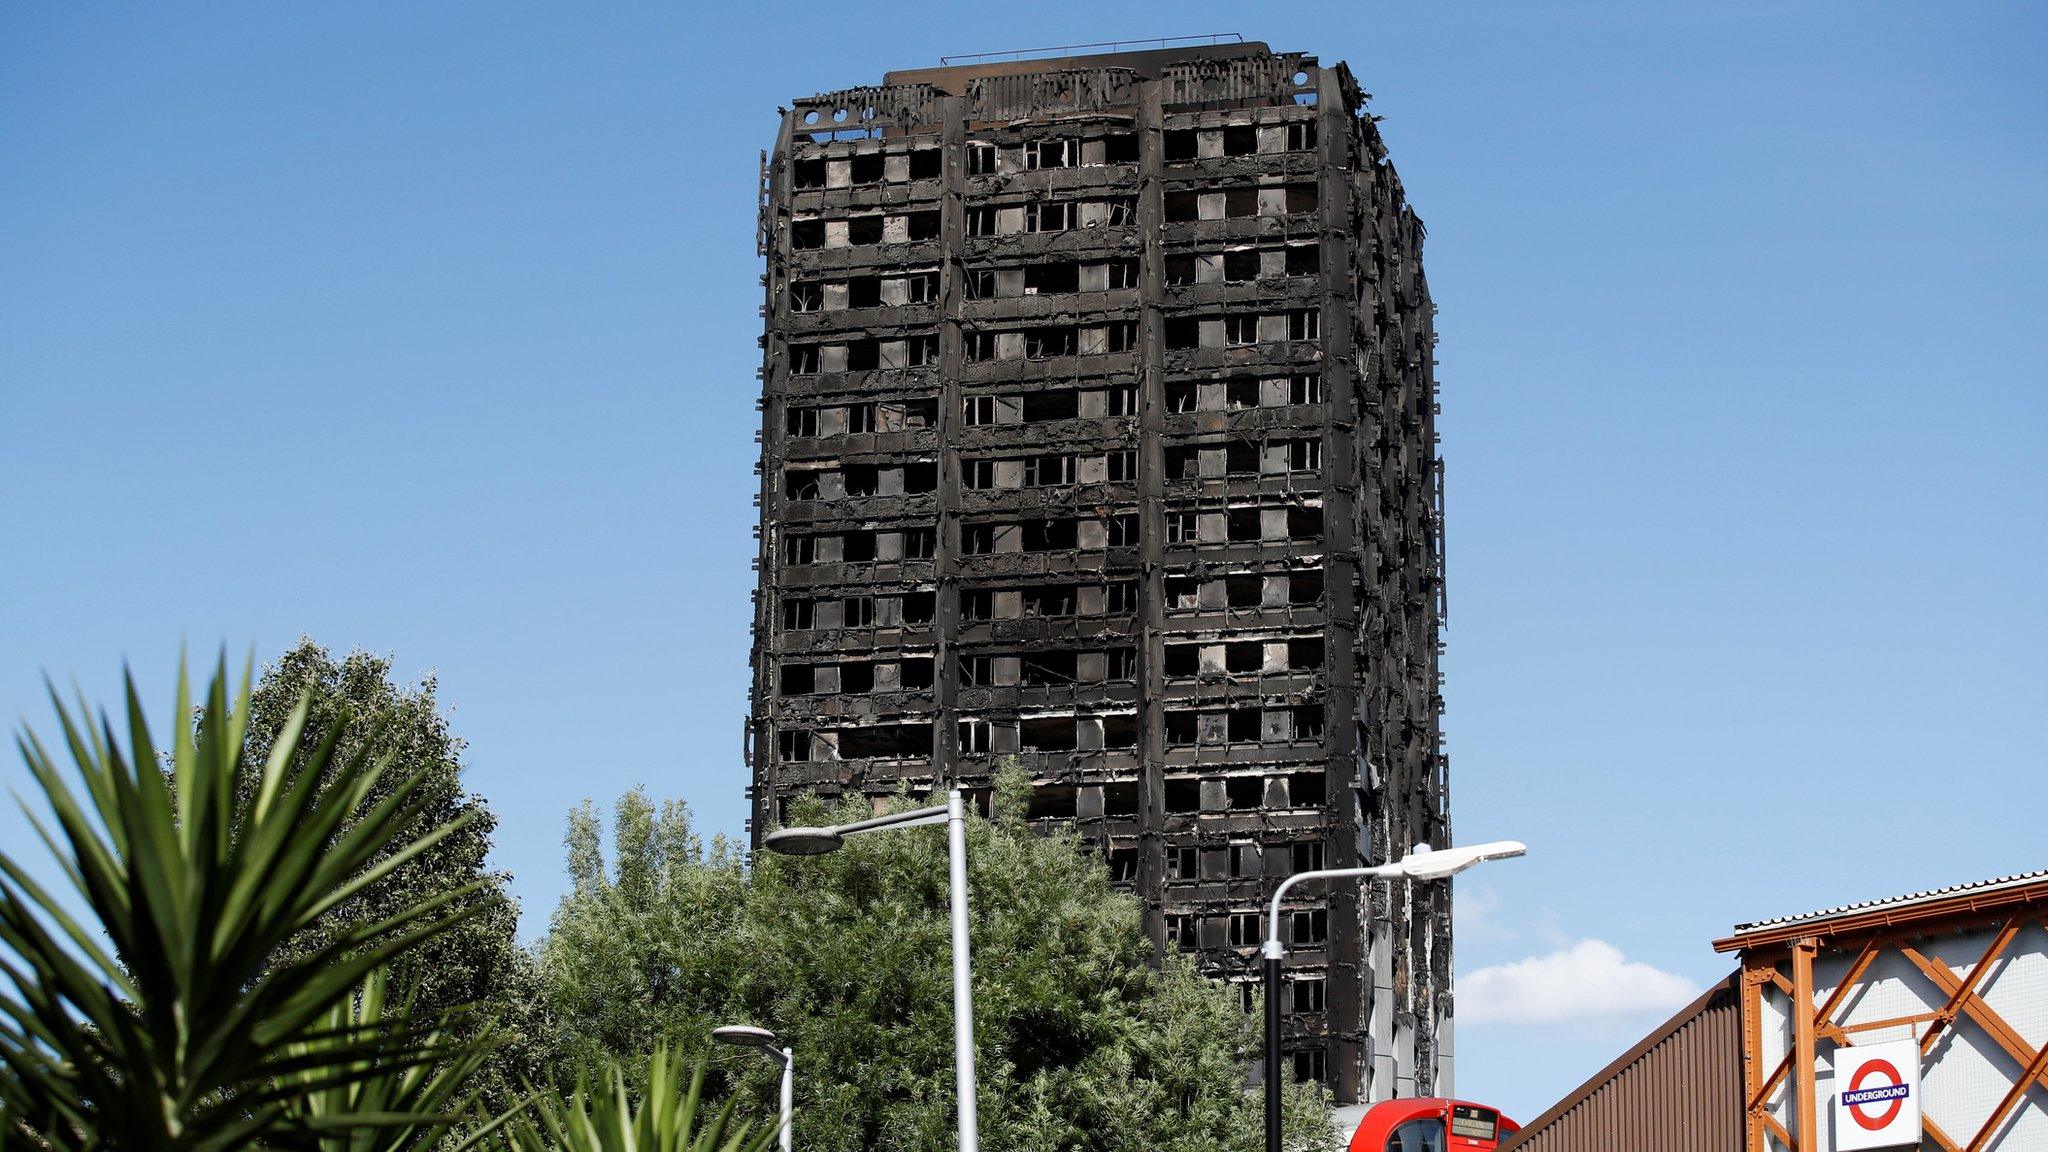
(430,329)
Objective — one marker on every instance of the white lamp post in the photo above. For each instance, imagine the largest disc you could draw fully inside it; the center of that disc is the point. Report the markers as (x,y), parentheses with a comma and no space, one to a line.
(748,1036)
(818,841)
(1420,864)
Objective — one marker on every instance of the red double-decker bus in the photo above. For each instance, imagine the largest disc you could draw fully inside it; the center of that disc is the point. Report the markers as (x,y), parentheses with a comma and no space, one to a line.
(1431,1124)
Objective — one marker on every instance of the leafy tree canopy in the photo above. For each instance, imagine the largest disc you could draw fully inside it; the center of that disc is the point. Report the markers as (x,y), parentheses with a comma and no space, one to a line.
(1086,1037)
(478,961)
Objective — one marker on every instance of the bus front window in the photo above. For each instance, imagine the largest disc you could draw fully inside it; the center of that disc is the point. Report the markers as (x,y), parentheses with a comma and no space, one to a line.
(1425,1135)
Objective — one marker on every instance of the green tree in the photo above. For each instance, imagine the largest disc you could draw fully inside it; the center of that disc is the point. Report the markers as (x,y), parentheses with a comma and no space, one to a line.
(668,1117)
(1087,1038)
(477,966)
(153,1006)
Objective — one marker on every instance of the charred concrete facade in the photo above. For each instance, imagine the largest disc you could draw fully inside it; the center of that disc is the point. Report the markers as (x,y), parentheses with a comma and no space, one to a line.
(1098,431)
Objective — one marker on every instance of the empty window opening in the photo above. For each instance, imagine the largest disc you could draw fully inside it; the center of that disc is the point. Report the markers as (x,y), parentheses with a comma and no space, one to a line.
(793,747)
(803,360)
(806,296)
(1119,801)
(1305,655)
(863,355)
(1305,389)
(1308,722)
(1306,790)
(801,422)
(1123,274)
(1242,525)
(1181,729)
(857,611)
(800,483)
(1244,929)
(857,547)
(918,607)
(981,221)
(1240,140)
(867,168)
(799,615)
(862,479)
(1180,144)
(1179,270)
(1304,324)
(1240,202)
(1049,535)
(1183,592)
(1244,591)
(1183,332)
(920,477)
(864,229)
(1050,215)
(1304,260)
(857,677)
(1183,207)
(1180,396)
(1244,656)
(926,163)
(808,173)
(920,543)
(1244,726)
(1239,331)
(1183,795)
(799,679)
(1048,669)
(1120,148)
(1306,856)
(1308,995)
(1049,600)
(886,742)
(1046,734)
(1123,865)
(981,158)
(1304,588)
(1047,279)
(922,226)
(1122,399)
(1121,465)
(1240,458)
(1301,198)
(1050,153)
(1301,136)
(1120,731)
(980,284)
(1059,405)
(1240,266)
(1040,343)
(1304,523)
(806,234)
(1044,471)
(974,736)
(1052,801)
(1305,456)
(1182,661)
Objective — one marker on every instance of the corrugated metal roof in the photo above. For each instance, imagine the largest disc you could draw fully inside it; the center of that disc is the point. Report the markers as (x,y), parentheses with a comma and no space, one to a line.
(1678,1090)
(1891,902)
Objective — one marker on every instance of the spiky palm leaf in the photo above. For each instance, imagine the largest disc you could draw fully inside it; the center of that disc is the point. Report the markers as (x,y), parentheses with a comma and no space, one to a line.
(669,1118)
(391,1105)
(165,1019)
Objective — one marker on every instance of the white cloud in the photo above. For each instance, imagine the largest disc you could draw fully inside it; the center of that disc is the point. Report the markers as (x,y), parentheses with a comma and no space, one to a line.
(1588,981)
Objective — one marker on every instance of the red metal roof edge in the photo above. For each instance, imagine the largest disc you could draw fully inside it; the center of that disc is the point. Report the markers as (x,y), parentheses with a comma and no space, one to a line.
(1937,903)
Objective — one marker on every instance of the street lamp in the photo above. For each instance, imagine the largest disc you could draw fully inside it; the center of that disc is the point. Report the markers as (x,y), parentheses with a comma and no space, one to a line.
(818,841)
(761,1039)
(1420,864)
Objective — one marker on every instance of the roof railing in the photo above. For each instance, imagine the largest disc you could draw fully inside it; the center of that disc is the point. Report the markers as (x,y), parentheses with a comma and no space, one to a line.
(1210,38)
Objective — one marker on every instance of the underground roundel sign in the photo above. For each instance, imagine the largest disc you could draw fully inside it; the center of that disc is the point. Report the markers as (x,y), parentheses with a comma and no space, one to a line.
(1877,1095)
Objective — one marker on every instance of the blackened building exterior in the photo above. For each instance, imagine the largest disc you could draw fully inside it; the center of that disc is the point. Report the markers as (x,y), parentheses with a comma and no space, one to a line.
(1099,431)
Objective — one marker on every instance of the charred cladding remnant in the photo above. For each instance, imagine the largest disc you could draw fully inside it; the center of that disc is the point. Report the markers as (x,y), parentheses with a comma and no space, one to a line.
(1099,431)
